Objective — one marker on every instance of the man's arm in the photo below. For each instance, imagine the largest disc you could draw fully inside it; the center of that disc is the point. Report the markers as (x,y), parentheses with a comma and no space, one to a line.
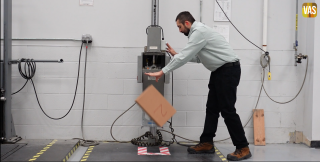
(195,59)
(195,44)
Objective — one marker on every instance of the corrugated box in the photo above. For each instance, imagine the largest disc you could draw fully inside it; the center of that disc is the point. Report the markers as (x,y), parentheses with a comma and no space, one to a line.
(155,105)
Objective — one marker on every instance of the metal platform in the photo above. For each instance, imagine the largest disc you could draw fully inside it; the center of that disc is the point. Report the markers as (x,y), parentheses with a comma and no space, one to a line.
(39,150)
(128,152)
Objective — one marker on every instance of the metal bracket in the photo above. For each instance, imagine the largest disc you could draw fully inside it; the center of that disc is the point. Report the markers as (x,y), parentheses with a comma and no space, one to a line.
(86,38)
(300,57)
(2,98)
(13,140)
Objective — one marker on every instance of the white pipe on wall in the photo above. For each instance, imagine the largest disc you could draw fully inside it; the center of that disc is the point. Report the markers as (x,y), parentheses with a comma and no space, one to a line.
(265,25)
(201,2)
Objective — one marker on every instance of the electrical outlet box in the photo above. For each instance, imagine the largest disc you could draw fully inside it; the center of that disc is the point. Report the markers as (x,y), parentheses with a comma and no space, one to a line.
(86,38)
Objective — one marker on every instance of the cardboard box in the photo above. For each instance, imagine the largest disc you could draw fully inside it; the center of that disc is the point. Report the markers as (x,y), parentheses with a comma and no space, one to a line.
(155,105)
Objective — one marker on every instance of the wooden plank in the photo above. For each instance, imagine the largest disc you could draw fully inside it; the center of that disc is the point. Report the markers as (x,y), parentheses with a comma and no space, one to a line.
(258,127)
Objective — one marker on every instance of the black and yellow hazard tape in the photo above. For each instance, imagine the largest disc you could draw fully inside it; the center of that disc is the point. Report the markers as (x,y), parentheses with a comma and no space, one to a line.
(71,152)
(35,157)
(221,156)
(87,154)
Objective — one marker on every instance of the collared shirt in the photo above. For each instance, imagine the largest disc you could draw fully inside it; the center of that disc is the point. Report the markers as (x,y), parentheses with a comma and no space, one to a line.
(205,46)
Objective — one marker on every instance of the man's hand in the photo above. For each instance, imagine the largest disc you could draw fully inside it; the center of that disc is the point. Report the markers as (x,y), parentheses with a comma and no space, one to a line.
(156,74)
(171,50)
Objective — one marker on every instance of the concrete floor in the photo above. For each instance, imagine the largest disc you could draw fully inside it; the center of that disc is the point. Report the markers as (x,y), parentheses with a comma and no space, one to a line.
(276,152)
(270,152)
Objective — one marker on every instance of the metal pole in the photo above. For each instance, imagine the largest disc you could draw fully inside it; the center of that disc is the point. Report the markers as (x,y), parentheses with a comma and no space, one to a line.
(155,13)
(45,39)
(46,61)
(296,37)
(154,22)
(265,26)
(9,130)
(1,86)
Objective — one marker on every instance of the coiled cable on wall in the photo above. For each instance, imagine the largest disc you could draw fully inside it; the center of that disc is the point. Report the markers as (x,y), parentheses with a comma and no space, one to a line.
(28,72)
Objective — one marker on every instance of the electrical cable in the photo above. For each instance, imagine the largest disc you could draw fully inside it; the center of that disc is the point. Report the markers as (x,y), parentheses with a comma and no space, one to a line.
(85,142)
(21,87)
(29,72)
(116,120)
(305,76)
(8,153)
(12,151)
(170,123)
(267,59)
(238,30)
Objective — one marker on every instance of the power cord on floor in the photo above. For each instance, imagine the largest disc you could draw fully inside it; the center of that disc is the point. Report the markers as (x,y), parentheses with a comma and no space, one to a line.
(12,151)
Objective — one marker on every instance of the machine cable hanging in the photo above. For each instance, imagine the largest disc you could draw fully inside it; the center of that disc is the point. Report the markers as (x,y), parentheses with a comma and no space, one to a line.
(28,73)
(305,76)
(85,142)
(239,31)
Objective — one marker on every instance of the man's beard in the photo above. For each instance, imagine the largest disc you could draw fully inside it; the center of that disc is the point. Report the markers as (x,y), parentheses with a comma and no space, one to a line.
(186,33)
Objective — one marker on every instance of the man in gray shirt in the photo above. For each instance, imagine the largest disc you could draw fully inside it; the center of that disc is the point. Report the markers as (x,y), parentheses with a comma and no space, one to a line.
(208,47)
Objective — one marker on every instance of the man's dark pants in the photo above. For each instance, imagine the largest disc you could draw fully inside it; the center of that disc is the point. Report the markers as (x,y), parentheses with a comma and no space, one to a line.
(222,98)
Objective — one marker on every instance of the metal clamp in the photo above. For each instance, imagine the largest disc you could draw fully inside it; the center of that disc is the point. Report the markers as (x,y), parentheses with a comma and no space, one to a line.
(2,98)
(300,57)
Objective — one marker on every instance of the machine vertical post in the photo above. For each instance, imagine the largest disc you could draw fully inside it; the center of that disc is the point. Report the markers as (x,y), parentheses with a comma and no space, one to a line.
(155,12)
(1,87)
(8,127)
(153,59)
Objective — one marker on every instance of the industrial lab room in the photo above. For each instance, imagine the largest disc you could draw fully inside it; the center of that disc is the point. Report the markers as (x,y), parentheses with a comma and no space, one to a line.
(160,80)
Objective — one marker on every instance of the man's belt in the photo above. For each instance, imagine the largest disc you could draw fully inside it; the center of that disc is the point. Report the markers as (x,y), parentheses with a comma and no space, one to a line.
(230,64)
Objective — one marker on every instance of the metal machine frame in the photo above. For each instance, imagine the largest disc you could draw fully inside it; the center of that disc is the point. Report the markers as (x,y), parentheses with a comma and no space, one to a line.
(8,130)
(153,59)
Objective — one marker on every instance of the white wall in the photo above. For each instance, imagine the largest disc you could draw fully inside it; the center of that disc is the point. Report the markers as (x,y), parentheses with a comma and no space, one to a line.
(309,40)
(307,47)
(118,30)
(316,86)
